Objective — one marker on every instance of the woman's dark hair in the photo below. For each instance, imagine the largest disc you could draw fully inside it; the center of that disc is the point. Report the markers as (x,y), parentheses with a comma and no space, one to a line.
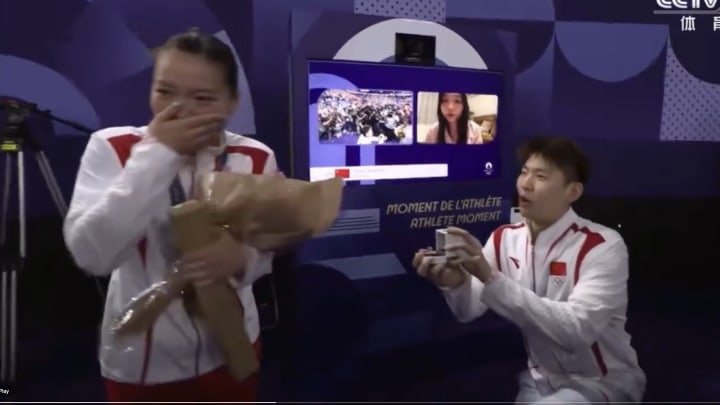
(214,50)
(462,122)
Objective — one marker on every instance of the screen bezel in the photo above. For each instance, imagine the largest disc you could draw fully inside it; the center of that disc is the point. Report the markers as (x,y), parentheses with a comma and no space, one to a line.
(299,92)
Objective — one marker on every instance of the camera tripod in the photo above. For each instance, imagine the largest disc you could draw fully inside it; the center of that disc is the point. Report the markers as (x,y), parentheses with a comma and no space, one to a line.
(15,140)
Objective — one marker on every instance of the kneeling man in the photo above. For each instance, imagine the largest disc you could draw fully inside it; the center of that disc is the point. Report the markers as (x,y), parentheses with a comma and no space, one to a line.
(560,278)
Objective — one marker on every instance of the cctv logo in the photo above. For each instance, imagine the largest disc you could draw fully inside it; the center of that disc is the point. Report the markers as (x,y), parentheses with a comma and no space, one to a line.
(685,4)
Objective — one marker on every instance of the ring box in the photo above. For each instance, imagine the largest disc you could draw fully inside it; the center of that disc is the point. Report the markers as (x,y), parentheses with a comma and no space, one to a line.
(435,259)
(444,239)
(440,236)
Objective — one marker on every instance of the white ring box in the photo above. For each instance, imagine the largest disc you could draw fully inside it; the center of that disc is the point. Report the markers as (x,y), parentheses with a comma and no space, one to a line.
(442,239)
(435,259)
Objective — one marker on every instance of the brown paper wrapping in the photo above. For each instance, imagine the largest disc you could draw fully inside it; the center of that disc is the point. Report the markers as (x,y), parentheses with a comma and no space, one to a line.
(148,305)
(193,229)
(267,212)
(271,212)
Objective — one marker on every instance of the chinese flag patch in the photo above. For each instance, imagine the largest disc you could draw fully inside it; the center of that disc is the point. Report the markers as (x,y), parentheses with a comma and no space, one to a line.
(558,269)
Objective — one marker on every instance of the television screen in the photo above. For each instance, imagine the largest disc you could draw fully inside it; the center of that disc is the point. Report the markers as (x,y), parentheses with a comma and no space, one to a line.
(382,123)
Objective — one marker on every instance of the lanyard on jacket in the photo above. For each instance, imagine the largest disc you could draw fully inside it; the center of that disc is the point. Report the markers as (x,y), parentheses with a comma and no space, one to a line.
(177,193)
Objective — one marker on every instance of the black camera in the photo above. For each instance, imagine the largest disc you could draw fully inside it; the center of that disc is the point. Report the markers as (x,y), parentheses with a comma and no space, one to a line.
(413,49)
(15,116)
(11,132)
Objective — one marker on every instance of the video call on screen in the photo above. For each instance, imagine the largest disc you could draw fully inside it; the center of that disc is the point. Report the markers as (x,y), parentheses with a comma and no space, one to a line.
(373,123)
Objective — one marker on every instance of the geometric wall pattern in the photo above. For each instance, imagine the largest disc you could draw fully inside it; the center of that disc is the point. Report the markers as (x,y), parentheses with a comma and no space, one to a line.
(631,73)
(689,104)
(430,10)
(691,107)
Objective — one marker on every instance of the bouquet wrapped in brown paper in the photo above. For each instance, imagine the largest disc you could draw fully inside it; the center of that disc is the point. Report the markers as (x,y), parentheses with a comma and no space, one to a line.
(267,212)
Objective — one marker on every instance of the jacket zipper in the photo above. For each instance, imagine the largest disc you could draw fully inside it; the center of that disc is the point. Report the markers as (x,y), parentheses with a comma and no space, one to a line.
(198,343)
(532,257)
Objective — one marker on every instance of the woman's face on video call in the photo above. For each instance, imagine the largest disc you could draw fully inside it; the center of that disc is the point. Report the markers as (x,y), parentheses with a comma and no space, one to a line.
(193,81)
(451,106)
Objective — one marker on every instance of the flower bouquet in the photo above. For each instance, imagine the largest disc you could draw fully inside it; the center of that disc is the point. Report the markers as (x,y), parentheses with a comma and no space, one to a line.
(267,212)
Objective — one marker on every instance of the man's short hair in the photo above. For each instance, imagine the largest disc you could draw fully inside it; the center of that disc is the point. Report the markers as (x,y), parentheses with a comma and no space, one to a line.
(564,153)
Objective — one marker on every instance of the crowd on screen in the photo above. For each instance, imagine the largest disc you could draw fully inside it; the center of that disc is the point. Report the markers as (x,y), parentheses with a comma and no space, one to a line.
(381,115)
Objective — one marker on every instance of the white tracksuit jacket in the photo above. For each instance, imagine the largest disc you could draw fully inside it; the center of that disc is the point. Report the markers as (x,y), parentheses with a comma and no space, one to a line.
(568,295)
(118,225)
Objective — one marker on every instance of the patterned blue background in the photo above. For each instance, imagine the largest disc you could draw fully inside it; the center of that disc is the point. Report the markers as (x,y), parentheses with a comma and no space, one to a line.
(623,81)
